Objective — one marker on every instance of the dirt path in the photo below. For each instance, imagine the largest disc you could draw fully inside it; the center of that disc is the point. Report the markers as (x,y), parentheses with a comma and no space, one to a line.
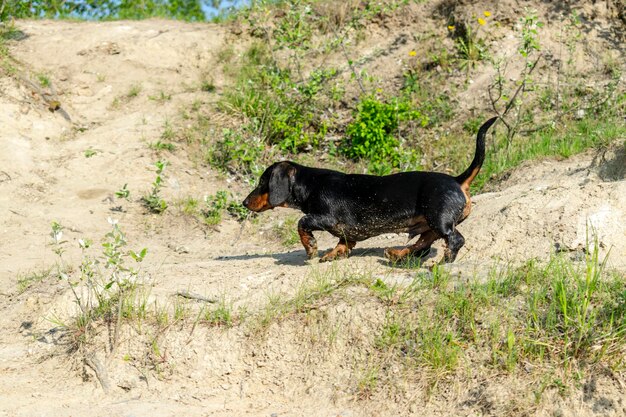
(45,176)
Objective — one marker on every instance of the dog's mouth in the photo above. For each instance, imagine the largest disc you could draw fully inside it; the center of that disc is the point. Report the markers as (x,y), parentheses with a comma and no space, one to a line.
(257,203)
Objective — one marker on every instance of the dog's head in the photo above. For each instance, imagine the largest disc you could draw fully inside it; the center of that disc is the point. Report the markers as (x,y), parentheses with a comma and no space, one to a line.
(274,188)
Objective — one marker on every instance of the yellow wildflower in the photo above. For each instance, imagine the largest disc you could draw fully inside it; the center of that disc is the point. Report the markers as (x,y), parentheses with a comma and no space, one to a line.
(481,21)
(412,53)
(450,27)
(487,14)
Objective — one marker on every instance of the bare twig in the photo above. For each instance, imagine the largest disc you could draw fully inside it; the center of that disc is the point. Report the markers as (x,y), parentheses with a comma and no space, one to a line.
(187,294)
(521,86)
(349,61)
(243,224)
(101,373)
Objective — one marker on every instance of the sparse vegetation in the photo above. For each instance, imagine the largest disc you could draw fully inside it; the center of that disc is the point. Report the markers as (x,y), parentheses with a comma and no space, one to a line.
(162,146)
(27,280)
(286,231)
(312,82)
(220,203)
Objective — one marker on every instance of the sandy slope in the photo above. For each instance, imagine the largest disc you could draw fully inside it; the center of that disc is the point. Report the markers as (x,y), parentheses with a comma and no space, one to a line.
(45,177)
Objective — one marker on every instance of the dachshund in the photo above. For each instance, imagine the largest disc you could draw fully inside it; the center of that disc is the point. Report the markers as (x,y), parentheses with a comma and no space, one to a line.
(355,207)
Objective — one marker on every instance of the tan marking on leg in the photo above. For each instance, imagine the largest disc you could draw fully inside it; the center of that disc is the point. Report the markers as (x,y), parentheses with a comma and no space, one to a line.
(309,243)
(342,250)
(425,240)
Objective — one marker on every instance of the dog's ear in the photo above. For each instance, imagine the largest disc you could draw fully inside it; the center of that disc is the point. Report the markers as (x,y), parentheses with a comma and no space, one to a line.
(280,184)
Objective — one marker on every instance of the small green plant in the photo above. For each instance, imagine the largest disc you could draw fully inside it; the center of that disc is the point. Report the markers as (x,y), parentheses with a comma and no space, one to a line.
(162,146)
(123,192)
(26,281)
(207,84)
(161,97)
(221,316)
(472,125)
(134,91)
(470,49)
(109,282)
(91,152)
(287,231)
(153,201)
(189,206)
(235,154)
(222,202)
(168,131)
(43,79)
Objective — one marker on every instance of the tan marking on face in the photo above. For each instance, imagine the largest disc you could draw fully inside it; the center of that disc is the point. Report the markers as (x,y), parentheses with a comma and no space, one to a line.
(259,203)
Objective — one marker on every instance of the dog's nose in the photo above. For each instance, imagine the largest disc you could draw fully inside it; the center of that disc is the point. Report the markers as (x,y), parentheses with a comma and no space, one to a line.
(246,202)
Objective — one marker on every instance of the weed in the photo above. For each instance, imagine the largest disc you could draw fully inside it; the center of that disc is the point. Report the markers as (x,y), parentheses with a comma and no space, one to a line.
(110,284)
(168,132)
(470,49)
(207,84)
(222,202)
(134,91)
(26,281)
(286,231)
(221,316)
(153,201)
(90,152)
(44,80)
(472,125)
(162,146)
(123,192)
(161,97)
(367,383)
(189,206)
(235,154)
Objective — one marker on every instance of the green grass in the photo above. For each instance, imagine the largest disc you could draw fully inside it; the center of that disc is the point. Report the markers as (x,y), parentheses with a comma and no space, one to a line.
(286,231)
(560,317)
(26,281)
(573,138)
(162,146)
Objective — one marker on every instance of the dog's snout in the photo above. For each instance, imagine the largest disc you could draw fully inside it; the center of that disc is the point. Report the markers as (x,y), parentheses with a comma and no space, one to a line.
(246,202)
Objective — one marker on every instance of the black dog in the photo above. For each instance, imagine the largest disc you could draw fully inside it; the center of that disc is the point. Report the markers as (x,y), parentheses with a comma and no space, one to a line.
(356,207)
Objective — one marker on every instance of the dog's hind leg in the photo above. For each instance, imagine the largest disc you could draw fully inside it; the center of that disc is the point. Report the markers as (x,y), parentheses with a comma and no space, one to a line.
(342,250)
(454,242)
(419,249)
(446,228)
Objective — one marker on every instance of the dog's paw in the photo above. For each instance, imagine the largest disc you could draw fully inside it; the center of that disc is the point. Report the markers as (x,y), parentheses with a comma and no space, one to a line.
(334,255)
(395,255)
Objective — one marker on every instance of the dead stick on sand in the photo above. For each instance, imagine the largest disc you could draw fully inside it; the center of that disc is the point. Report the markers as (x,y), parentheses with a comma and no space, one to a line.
(187,294)
(101,372)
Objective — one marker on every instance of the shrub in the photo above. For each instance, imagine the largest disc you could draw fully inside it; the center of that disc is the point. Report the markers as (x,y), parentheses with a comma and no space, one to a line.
(371,136)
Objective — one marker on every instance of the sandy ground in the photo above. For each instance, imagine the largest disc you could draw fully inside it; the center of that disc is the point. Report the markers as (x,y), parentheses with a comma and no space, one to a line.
(45,176)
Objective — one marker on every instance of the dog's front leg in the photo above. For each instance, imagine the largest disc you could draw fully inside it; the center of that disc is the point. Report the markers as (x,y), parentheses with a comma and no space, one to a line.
(306,226)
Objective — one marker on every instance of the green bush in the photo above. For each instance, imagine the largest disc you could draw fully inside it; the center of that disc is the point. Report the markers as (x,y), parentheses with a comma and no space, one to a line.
(372,134)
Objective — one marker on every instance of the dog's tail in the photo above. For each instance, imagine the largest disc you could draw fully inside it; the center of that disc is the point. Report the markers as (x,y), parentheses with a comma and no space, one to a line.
(470,173)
